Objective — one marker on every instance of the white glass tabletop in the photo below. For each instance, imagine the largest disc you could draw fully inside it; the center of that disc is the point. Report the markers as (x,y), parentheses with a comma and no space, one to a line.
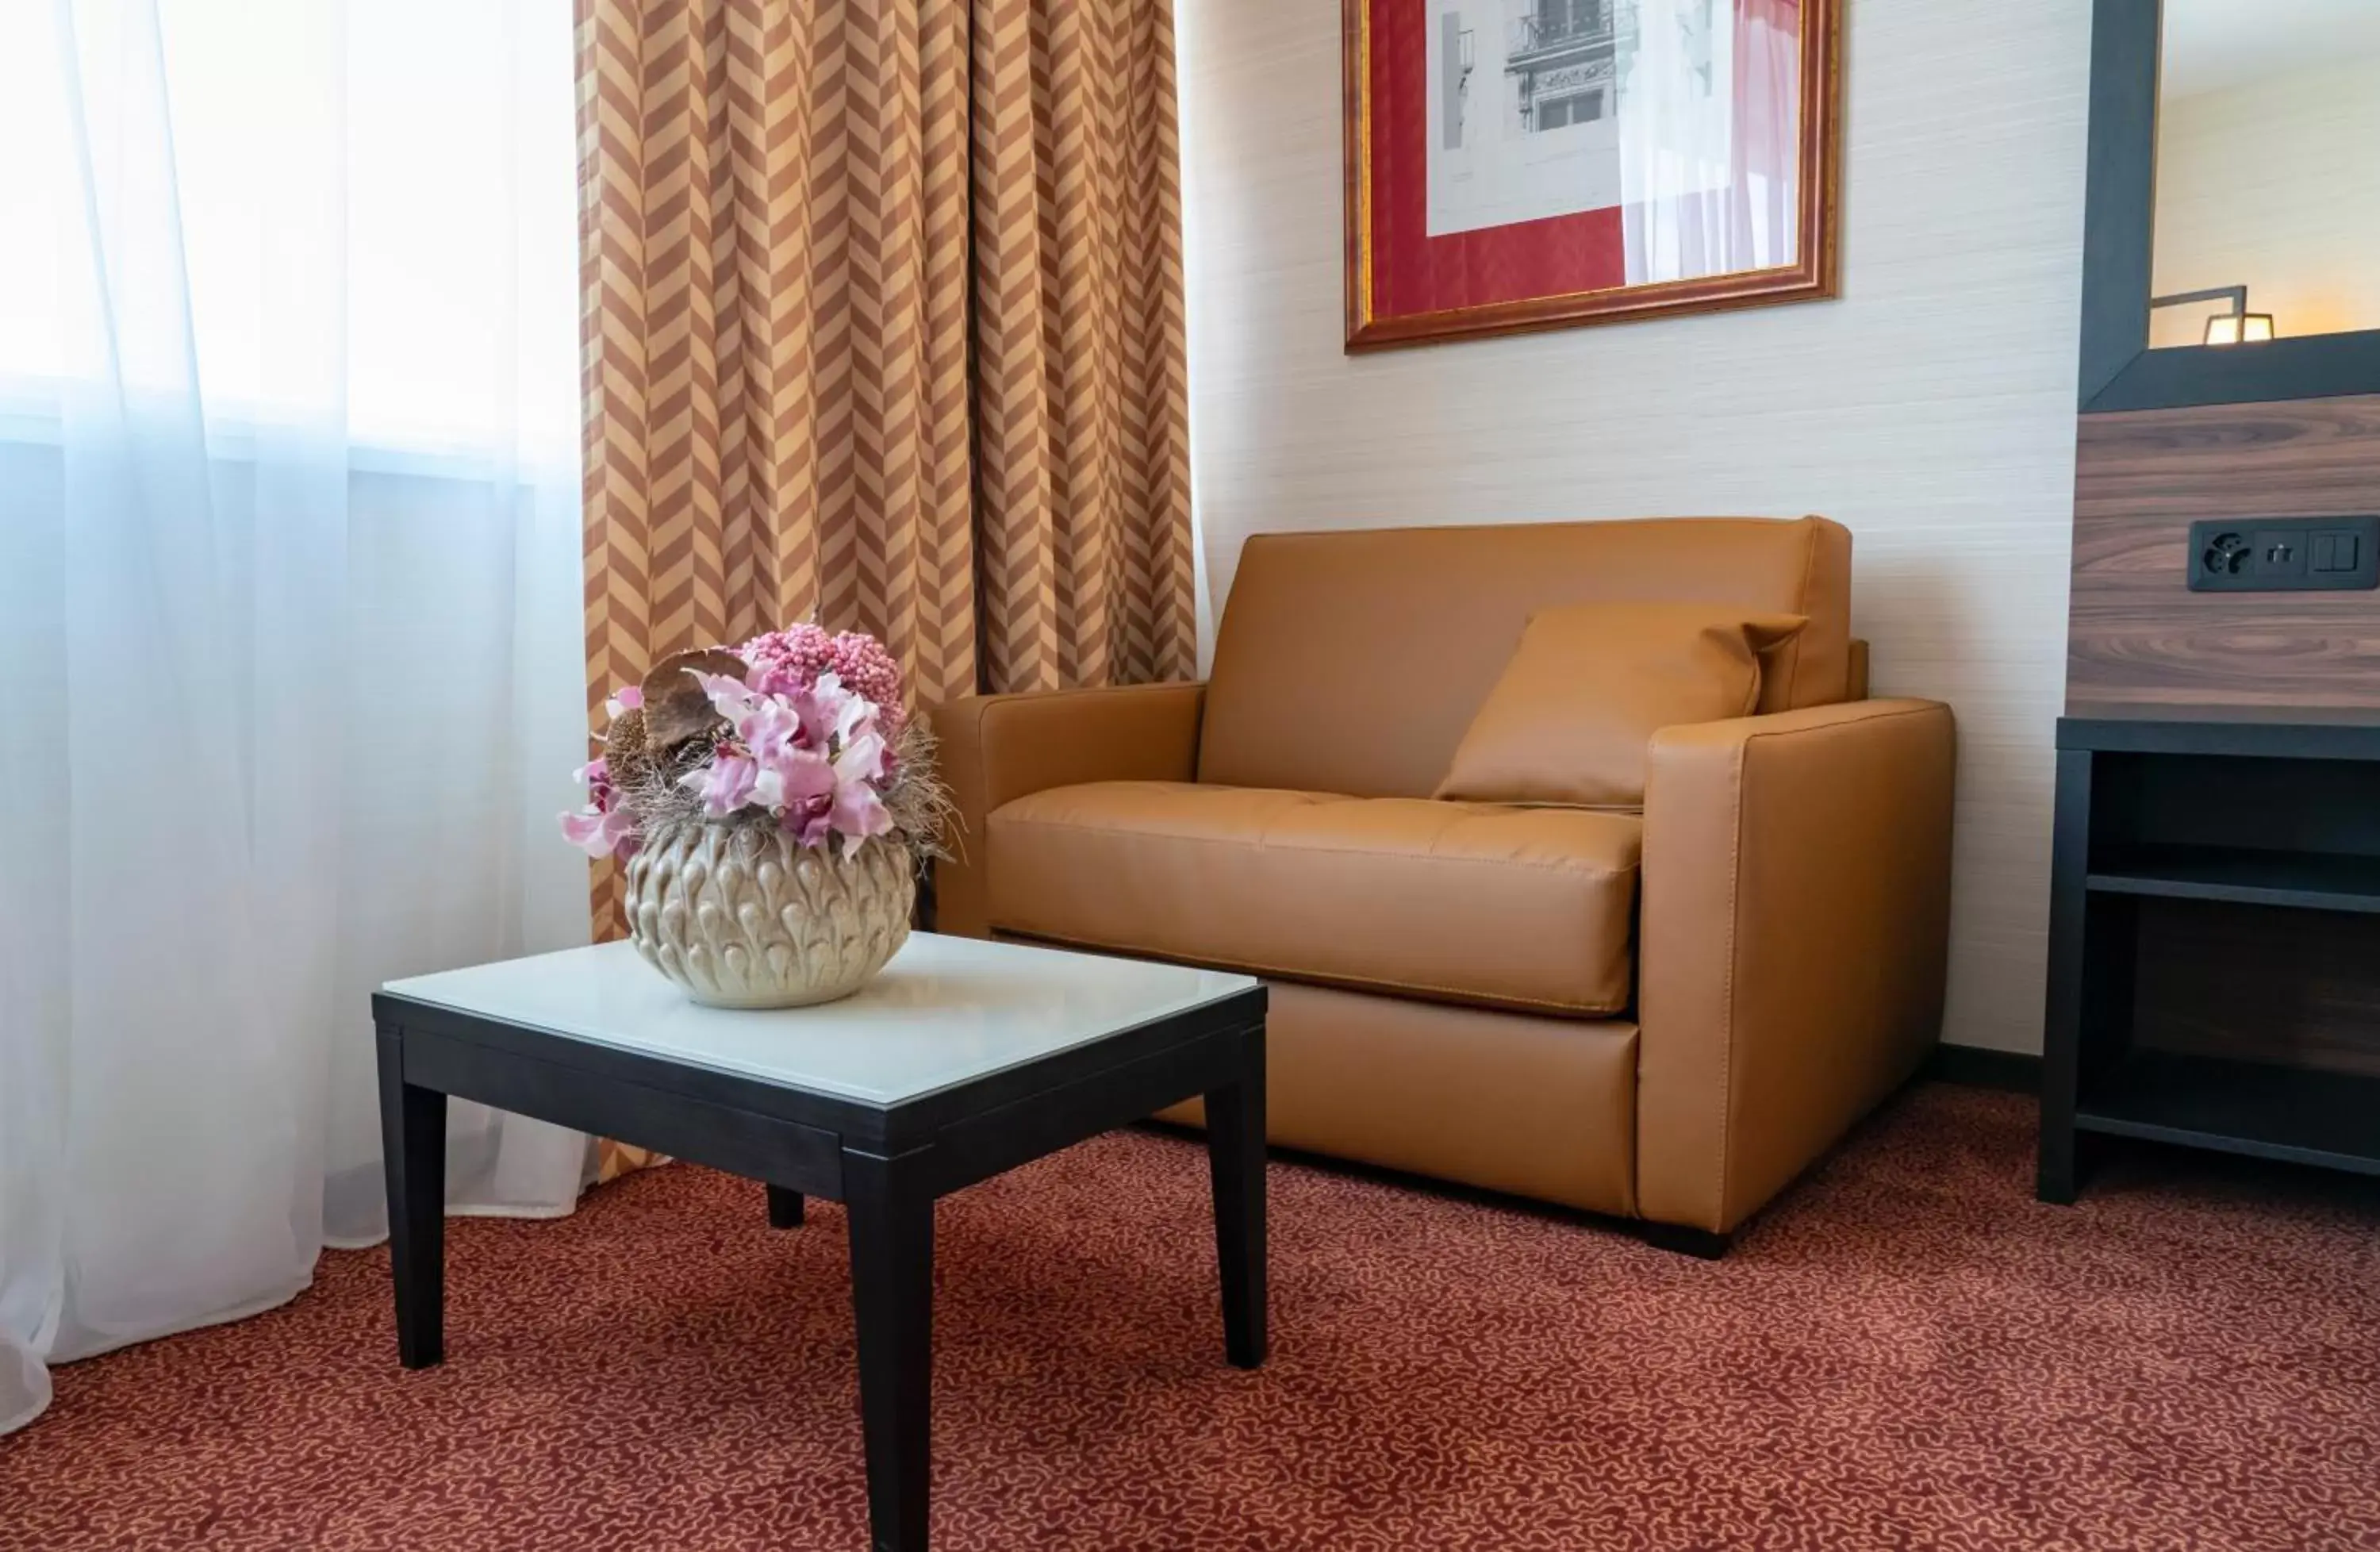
(945,1010)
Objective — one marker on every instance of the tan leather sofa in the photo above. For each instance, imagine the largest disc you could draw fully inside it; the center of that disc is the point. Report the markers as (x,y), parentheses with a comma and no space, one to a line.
(1664,1016)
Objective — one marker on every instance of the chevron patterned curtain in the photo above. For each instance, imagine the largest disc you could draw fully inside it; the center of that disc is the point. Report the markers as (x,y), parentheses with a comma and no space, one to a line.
(883,328)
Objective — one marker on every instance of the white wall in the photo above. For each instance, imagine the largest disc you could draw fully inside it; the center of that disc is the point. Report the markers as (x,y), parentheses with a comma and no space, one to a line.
(2274,183)
(1931,409)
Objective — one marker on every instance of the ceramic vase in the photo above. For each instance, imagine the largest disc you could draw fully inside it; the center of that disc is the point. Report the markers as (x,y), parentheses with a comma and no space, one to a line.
(742,916)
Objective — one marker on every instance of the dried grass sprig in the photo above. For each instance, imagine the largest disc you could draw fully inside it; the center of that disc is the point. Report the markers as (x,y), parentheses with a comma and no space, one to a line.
(924,812)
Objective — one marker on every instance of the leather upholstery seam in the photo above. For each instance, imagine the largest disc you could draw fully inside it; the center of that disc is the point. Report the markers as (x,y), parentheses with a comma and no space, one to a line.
(986,706)
(984,719)
(1459,995)
(1802,596)
(1928,708)
(977,738)
(1726,986)
(1074,828)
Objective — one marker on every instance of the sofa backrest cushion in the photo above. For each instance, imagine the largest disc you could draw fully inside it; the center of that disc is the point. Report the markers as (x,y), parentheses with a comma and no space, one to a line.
(1571,720)
(1353,661)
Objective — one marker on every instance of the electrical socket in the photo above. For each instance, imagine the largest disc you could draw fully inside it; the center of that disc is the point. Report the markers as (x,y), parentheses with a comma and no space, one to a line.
(2276,555)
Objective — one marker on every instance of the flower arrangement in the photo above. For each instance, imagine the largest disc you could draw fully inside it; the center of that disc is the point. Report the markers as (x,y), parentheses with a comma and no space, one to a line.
(796,730)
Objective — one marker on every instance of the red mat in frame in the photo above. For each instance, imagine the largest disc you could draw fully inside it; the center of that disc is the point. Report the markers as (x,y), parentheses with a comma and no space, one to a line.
(1407,284)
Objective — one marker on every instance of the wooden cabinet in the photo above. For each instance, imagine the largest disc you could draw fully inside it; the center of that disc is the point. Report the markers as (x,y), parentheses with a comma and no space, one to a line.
(2214,938)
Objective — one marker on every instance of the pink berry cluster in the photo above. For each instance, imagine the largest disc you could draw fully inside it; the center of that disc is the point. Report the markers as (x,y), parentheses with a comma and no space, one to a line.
(802,653)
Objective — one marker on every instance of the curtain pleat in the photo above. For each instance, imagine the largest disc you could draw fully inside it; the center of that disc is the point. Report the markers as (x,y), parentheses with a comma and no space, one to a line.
(884,316)
(884,328)
(1081,401)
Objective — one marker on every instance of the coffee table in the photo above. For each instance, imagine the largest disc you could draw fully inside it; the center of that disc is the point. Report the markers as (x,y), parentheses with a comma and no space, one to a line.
(963,1058)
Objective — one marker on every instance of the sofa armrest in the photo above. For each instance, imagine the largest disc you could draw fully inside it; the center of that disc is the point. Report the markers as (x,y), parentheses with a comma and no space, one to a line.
(995,749)
(1794,934)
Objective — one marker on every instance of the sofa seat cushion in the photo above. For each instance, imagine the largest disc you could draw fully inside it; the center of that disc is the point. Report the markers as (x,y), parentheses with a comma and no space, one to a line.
(1527,908)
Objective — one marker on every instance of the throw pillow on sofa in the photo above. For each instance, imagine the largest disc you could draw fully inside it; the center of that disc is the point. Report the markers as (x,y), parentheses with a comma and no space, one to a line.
(1570,720)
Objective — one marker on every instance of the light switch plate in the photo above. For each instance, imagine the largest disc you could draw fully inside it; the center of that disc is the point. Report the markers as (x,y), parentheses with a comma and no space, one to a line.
(2284,554)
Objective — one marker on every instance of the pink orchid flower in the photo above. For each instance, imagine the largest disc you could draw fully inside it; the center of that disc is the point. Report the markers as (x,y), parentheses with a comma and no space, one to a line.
(791,776)
(831,713)
(812,820)
(805,749)
(858,813)
(603,828)
(864,758)
(730,697)
(726,784)
(601,835)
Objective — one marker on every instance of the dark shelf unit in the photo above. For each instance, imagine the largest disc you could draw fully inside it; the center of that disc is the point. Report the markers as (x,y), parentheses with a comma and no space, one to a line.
(2253,1107)
(2252,821)
(2306,880)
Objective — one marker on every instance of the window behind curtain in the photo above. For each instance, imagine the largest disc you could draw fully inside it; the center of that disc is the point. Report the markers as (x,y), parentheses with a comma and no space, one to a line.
(430,169)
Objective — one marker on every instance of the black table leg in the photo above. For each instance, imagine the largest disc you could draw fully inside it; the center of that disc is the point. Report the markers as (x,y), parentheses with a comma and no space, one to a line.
(784,1208)
(1235,1161)
(891,1210)
(413,1146)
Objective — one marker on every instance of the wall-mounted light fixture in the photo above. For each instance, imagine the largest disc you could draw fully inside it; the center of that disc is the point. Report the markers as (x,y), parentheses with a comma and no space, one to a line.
(2238,326)
(2246,328)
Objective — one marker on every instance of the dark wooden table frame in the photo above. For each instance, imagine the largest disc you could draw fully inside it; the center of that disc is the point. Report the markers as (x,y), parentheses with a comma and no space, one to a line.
(886,1163)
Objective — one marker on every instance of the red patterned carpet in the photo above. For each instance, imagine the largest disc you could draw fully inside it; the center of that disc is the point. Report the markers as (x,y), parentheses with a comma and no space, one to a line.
(1907,1353)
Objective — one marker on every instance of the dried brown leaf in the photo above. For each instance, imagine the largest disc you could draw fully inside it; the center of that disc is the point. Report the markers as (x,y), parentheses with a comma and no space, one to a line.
(675,709)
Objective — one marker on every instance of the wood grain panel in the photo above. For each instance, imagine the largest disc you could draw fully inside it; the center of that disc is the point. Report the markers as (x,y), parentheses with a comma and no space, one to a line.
(2136,635)
(2300,988)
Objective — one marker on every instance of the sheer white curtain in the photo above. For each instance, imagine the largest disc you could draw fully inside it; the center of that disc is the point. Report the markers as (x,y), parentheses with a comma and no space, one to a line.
(290,665)
(1710,137)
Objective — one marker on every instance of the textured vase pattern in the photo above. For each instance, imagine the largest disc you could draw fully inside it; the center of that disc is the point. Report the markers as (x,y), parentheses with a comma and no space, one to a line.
(742,916)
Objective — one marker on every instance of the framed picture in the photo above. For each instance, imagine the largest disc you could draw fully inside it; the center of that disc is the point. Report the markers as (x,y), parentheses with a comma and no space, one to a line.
(1519,164)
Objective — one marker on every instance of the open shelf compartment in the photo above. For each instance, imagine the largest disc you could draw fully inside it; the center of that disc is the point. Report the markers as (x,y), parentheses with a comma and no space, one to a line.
(2310,881)
(2214,938)
(2300,1115)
